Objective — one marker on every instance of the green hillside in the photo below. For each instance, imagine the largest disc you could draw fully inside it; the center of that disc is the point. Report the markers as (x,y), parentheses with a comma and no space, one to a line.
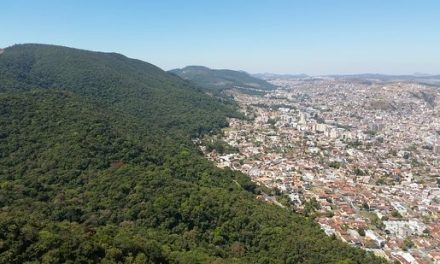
(127,84)
(96,165)
(219,80)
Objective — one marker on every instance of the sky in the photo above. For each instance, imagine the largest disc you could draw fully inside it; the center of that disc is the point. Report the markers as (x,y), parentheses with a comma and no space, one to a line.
(277,36)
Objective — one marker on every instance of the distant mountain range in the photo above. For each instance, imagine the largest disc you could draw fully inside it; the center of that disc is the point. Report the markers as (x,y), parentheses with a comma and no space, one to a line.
(421,78)
(270,76)
(386,76)
(376,76)
(416,77)
(220,80)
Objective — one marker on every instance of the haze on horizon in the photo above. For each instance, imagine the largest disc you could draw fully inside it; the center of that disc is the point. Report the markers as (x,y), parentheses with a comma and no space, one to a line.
(317,37)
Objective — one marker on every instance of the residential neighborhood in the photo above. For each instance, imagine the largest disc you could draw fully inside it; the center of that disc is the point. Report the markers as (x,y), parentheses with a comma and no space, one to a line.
(360,157)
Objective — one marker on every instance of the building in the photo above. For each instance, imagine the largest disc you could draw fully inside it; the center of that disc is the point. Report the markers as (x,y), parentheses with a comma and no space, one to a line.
(436,147)
(379,241)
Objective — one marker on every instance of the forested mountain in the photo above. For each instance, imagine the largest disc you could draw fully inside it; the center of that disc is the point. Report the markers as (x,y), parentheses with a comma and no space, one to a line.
(96,165)
(219,80)
(126,84)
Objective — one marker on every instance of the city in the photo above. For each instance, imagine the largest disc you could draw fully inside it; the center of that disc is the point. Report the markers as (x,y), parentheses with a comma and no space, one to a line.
(361,157)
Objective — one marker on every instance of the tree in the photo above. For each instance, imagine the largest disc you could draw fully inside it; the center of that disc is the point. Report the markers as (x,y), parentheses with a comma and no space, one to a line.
(396,214)
(407,244)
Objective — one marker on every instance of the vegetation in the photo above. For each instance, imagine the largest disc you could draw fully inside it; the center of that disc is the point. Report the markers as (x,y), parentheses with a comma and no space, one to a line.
(361,232)
(335,164)
(141,89)
(396,214)
(220,146)
(220,80)
(311,206)
(407,244)
(97,165)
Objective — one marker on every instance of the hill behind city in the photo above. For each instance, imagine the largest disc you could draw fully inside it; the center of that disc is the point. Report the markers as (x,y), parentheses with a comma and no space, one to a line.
(219,80)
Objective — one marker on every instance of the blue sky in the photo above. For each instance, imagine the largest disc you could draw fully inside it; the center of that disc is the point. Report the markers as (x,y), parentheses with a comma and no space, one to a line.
(281,36)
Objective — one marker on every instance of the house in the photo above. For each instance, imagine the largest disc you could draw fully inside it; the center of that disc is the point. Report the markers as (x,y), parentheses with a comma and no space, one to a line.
(380,242)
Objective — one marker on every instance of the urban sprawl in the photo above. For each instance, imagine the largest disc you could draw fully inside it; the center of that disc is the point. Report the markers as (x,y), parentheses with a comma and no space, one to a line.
(360,156)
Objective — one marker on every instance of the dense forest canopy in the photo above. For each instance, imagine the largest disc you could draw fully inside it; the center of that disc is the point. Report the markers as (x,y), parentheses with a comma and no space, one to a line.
(129,85)
(96,165)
